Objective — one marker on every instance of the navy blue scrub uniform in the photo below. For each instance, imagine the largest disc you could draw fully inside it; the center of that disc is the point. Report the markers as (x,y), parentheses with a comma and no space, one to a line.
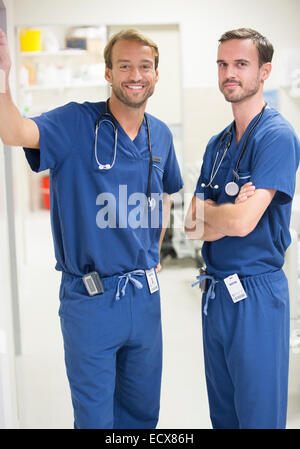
(112,341)
(246,344)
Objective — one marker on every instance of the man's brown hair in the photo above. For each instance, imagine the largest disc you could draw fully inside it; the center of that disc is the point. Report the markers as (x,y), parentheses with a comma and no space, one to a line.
(129,35)
(264,47)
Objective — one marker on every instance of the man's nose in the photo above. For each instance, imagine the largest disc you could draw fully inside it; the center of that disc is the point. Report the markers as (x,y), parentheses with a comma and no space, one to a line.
(230,72)
(135,74)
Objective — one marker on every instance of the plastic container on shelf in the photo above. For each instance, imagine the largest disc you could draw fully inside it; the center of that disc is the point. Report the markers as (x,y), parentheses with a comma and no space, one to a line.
(30,39)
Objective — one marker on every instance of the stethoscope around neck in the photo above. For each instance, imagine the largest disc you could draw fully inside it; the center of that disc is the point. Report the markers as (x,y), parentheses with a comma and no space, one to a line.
(107,117)
(231,188)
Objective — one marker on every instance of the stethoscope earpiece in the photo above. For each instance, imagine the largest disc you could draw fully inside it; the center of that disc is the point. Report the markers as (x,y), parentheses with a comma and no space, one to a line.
(104,167)
(113,122)
(214,187)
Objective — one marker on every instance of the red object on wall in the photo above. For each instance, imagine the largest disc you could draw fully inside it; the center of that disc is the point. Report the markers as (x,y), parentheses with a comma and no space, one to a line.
(46,192)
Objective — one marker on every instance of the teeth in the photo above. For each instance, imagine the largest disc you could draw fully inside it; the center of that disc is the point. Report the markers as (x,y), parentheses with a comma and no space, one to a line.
(135,87)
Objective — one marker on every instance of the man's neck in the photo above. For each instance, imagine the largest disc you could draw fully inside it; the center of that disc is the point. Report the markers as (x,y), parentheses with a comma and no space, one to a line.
(129,118)
(244,112)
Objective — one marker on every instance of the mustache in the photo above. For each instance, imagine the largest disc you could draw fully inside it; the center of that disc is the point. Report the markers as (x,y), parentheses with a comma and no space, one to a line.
(231,81)
(143,83)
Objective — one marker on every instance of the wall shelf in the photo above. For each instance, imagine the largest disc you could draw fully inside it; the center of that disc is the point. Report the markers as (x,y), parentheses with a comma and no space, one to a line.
(65,52)
(78,85)
(55,76)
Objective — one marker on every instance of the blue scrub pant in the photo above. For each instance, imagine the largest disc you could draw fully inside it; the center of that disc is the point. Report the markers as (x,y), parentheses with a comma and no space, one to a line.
(246,351)
(113,353)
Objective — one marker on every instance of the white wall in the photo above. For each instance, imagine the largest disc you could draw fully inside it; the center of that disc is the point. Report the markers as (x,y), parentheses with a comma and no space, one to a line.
(201,23)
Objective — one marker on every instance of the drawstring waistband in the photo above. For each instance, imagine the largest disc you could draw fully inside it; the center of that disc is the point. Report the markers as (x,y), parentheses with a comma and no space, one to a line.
(110,282)
(247,281)
(129,277)
(210,294)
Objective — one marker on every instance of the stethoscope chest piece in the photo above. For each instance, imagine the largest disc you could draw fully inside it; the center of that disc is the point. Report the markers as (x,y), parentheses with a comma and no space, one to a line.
(232,188)
(151,203)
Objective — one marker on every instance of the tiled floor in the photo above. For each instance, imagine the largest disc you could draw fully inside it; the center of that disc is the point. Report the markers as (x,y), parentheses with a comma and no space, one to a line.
(43,391)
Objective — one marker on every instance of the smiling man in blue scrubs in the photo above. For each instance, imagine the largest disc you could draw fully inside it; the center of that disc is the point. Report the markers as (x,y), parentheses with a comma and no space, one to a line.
(246,299)
(106,215)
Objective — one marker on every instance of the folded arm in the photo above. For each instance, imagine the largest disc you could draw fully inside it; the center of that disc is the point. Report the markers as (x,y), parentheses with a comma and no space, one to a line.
(195,227)
(238,219)
(208,221)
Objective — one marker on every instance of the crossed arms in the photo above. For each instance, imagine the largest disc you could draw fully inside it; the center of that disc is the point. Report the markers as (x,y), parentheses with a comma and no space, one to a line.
(208,221)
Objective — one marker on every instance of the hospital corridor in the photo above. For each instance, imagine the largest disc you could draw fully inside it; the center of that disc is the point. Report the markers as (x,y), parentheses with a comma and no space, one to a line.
(57,64)
(43,389)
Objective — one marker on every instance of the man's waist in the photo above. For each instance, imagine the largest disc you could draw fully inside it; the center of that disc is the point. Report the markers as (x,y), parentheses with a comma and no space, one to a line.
(96,284)
(207,276)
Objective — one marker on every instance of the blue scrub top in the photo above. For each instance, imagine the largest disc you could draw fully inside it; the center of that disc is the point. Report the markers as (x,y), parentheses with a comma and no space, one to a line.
(270,162)
(97,216)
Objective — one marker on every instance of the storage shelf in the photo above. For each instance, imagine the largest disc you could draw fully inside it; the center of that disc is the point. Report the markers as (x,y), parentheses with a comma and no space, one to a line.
(61,87)
(65,52)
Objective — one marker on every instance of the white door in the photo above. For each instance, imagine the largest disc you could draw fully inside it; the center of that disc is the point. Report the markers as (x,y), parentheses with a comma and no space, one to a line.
(8,402)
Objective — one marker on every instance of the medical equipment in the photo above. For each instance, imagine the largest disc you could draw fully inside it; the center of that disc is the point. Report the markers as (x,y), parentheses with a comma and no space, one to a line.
(203,280)
(93,283)
(214,173)
(113,122)
(231,187)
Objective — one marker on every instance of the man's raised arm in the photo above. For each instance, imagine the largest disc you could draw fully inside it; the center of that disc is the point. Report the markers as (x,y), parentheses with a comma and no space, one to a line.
(14,129)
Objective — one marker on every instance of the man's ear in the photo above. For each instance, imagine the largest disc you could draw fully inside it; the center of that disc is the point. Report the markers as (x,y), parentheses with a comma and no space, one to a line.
(108,75)
(266,70)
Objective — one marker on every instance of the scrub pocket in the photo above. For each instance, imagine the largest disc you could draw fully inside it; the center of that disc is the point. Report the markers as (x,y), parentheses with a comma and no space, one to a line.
(75,301)
(157,179)
(244,177)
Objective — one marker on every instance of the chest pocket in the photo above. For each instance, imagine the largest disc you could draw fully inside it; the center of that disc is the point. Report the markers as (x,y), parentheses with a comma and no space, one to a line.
(157,178)
(244,177)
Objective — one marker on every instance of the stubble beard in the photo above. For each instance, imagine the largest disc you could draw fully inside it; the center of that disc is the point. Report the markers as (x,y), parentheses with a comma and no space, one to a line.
(234,97)
(121,96)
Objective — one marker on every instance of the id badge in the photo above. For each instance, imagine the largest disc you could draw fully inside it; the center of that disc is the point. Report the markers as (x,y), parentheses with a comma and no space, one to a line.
(152,280)
(235,288)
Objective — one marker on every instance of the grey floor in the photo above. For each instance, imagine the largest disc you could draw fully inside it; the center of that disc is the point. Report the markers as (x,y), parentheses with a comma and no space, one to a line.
(43,391)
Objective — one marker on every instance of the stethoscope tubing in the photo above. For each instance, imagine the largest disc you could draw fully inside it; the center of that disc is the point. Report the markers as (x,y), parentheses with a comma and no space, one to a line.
(230,134)
(214,173)
(112,120)
(247,137)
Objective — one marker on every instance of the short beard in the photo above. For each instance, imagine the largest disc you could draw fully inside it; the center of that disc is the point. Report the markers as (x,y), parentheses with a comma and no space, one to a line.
(234,98)
(125,100)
